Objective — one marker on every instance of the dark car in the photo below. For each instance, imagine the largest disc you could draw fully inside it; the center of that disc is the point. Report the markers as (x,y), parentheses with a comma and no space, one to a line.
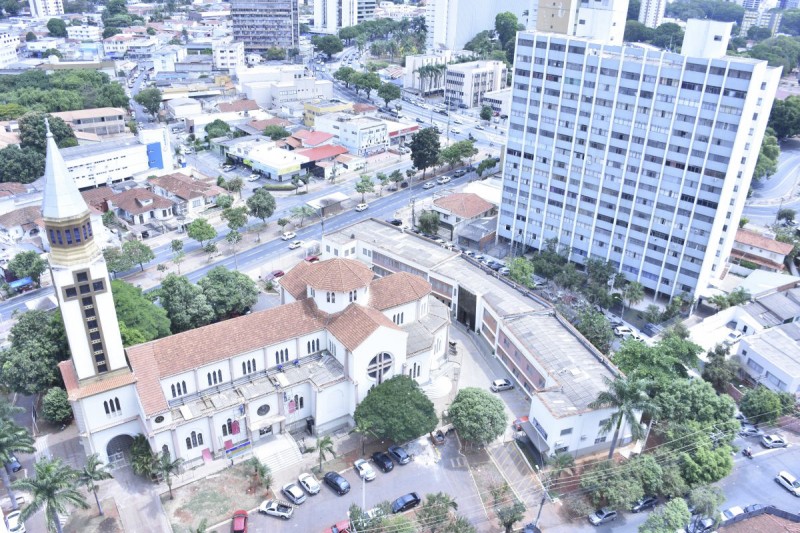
(406,502)
(383,461)
(443,112)
(277,274)
(337,483)
(399,454)
(754,507)
(13,464)
(645,503)
(395,221)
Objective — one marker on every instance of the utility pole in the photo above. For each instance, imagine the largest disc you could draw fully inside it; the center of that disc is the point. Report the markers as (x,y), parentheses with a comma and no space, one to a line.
(413,212)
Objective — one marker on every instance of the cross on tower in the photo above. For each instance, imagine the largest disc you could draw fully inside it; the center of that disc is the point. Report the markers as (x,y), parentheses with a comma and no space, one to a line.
(85,289)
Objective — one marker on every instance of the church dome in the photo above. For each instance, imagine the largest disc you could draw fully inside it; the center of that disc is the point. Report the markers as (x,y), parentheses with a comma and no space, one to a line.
(338,275)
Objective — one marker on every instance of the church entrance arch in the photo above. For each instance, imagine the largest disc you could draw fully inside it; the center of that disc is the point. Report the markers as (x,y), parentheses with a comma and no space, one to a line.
(118,450)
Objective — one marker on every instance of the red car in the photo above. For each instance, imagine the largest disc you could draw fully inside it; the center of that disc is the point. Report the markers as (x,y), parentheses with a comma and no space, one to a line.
(339,527)
(312,258)
(239,523)
(277,274)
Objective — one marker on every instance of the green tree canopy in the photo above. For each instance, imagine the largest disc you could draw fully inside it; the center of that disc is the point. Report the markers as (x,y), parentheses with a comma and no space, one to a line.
(612,485)
(761,405)
(55,406)
(261,205)
(236,217)
(275,132)
(344,74)
(201,231)
(30,37)
(425,149)
(629,400)
(478,415)
(721,369)
(228,292)
(455,154)
(389,92)
(428,222)
(328,44)
(57,27)
(486,113)
(767,162)
(186,305)
(138,253)
(150,99)
(33,133)
(596,328)
(138,312)
(38,344)
(217,128)
(672,516)
(28,264)
(364,185)
(378,415)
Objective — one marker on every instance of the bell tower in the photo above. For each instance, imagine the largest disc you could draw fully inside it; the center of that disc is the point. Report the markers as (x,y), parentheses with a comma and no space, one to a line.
(79,274)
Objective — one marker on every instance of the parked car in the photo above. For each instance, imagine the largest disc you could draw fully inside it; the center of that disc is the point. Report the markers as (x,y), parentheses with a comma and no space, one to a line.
(645,503)
(288,235)
(277,274)
(732,338)
(752,508)
(399,454)
(239,522)
(479,127)
(309,483)
(500,385)
(429,185)
(253,177)
(383,461)
(623,331)
(395,221)
(458,121)
(602,516)
(773,441)
(276,508)
(296,244)
(455,131)
(749,430)
(364,470)
(420,120)
(700,525)
(362,207)
(788,482)
(13,465)
(443,180)
(732,512)
(339,527)
(294,493)
(337,483)
(312,258)
(460,172)
(405,502)
(15,523)
(504,271)
(437,438)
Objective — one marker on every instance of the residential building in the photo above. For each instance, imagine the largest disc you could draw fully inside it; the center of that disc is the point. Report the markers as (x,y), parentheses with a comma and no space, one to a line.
(136,206)
(190,195)
(330,16)
(21,223)
(457,210)
(181,108)
(363,136)
(603,19)
(8,49)
(315,108)
(465,83)
(452,23)
(228,55)
(100,121)
(262,24)
(651,13)
(772,358)
(306,139)
(45,9)
(85,33)
(241,105)
(425,72)
(647,166)
(763,250)
(761,18)
(275,86)
(499,101)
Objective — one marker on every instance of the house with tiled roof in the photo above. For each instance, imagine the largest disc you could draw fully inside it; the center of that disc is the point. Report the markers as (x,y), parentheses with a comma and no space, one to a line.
(140,206)
(762,250)
(190,195)
(238,106)
(21,223)
(457,210)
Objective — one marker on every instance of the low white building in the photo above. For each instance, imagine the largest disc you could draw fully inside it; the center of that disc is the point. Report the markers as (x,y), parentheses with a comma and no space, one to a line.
(181,108)
(361,135)
(499,101)
(228,55)
(772,358)
(425,84)
(85,33)
(466,83)
(275,86)
(197,123)
(273,162)
(8,49)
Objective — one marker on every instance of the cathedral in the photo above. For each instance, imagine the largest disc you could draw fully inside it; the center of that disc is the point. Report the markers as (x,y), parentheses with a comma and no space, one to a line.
(205,394)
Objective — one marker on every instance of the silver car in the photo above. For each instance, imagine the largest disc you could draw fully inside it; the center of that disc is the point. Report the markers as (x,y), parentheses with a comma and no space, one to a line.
(499,385)
(294,493)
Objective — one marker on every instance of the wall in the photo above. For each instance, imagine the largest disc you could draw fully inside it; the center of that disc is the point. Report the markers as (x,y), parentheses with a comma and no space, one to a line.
(377,342)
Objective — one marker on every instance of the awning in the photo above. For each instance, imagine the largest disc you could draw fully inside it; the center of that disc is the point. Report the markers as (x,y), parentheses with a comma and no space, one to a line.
(535,436)
(24,282)
(255,425)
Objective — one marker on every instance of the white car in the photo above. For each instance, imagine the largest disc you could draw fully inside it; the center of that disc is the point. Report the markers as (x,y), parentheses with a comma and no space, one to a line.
(294,493)
(288,235)
(623,331)
(773,441)
(253,177)
(276,508)
(479,127)
(309,483)
(785,480)
(15,524)
(364,469)
(362,207)
(429,185)
(296,244)
(443,180)
(727,514)
(457,121)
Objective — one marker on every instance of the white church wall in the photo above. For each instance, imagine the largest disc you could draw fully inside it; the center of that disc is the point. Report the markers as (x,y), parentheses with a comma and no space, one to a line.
(223,435)
(217,373)
(184,379)
(273,353)
(166,420)
(161,439)
(100,439)
(239,363)
(202,432)
(94,407)
(300,394)
(337,350)
(332,405)
(382,340)
(312,343)
(408,312)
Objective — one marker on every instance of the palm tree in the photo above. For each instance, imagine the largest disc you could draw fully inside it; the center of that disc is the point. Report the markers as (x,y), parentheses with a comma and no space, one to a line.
(165,466)
(13,439)
(261,473)
(325,447)
(634,293)
(628,397)
(559,463)
(94,470)
(52,489)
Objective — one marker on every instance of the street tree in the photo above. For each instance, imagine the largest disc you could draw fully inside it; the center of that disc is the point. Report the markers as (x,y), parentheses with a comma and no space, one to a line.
(344,74)
(138,253)
(396,177)
(33,133)
(94,471)
(706,500)
(388,92)
(262,206)
(486,113)
(429,222)
(596,328)
(283,222)
(383,180)
(30,37)
(38,344)
(230,293)
(14,439)
(455,154)
(328,44)
(606,482)
(224,201)
(168,467)
(478,415)
(302,212)
(787,215)
(233,238)
(186,305)
(365,185)
(628,398)
(217,128)
(176,245)
(150,99)
(28,265)
(55,406)
(672,516)
(57,27)
(761,405)
(425,149)
(377,414)
(275,132)
(201,231)
(506,25)
(521,271)
(633,293)
(510,515)
(720,369)
(324,449)
(53,489)
(236,217)
(138,312)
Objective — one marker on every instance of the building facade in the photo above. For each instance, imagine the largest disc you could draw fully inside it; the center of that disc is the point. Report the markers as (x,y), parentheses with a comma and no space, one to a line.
(41,9)
(363,136)
(651,12)
(100,121)
(638,157)
(227,55)
(332,15)
(466,83)
(262,24)
(600,19)
(85,33)
(772,358)
(8,49)
(452,23)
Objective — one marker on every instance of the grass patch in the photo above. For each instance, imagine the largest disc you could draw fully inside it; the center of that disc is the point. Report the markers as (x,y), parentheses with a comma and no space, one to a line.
(279,187)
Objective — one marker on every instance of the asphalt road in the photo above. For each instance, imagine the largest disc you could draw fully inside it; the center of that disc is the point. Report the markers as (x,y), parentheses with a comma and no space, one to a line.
(779,190)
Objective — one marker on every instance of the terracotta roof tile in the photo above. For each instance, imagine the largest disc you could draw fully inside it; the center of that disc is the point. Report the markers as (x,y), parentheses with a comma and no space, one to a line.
(752,238)
(338,275)
(294,281)
(238,105)
(315,138)
(133,200)
(363,108)
(97,197)
(12,188)
(76,391)
(21,216)
(187,187)
(397,289)
(356,323)
(323,152)
(261,124)
(464,205)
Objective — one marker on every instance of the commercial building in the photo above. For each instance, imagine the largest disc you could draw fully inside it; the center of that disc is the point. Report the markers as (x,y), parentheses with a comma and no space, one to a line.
(457,210)
(363,136)
(651,12)
(42,9)
(263,24)
(8,49)
(227,55)
(274,87)
(332,15)
(761,18)
(600,19)
(499,101)
(100,121)
(425,72)
(452,23)
(311,110)
(635,156)
(85,33)
(465,83)
(181,108)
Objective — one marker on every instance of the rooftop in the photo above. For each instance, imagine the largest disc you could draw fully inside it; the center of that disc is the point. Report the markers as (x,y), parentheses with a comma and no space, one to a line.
(777,347)
(757,240)
(464,205)
(77,152)
(80,114)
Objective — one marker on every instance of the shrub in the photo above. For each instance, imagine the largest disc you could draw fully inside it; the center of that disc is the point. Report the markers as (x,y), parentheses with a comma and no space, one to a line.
(55,406)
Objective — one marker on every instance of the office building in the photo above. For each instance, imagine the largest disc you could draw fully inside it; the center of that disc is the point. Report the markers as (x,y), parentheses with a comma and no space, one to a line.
(8,49)
(332,15)
(762,18)
(42,9)
(452,23)
(99,121)
(275,86)
(364,136)
(636,156)
(651,12)
(263,24)
(600,19)
(466,83)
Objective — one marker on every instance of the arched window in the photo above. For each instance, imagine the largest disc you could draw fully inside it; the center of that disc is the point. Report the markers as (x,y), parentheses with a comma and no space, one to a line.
(200,438)
(308,346)
(333,297)
(229,425)
(116,401)
(173,390)
(243,370)
(301,402)
(277,358)
(328,297)
(188,443)
(105,405)
(380,366)
(165,450)
(209,379)
(224,430)
(194,438)
(184,387)
(219,375)
(254,364)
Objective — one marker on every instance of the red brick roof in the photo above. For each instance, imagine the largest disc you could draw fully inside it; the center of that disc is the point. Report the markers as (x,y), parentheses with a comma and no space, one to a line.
(187,187)
(134,201)
(261,124)
(356,323)
(97,197)
(76,391)
(338,275)
(752,238)
(465,205)
(397,289)
(294,281)
(322,152)
(21,217)
(11,188)
(238,105)
(312,138)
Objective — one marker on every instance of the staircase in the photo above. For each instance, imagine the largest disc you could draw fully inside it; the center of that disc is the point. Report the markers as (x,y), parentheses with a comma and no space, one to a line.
(279,453)
(438,387)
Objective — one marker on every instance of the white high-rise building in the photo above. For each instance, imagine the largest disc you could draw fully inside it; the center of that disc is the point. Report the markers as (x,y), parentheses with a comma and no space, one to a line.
(8,49)
(332,15)
(632,155)
(466,83)
(42,9)
(651,12)
(452,23)
(600,19)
